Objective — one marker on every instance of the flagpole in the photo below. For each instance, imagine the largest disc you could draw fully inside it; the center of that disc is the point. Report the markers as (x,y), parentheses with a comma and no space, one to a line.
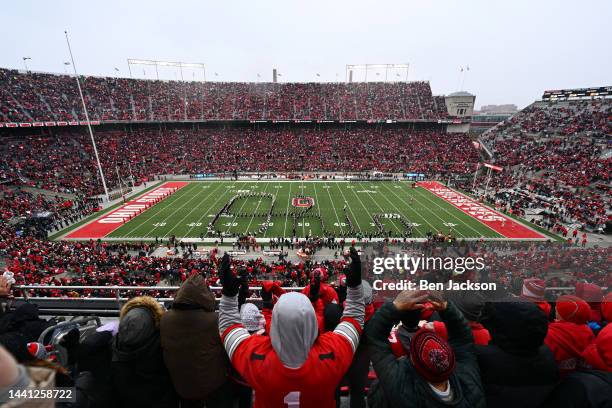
(475,174)
(93,141)
(119,179)
(131,175)
(488,179)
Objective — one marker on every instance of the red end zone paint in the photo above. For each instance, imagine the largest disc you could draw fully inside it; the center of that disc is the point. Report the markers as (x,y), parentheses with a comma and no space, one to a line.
(106,224)
(492,219)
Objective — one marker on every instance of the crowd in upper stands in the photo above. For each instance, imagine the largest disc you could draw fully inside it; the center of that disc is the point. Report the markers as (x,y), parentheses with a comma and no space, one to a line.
(31,97)
(556,156)
(70,166)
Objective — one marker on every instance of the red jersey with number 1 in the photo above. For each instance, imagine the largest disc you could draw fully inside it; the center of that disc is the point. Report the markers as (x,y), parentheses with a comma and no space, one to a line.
(313,385)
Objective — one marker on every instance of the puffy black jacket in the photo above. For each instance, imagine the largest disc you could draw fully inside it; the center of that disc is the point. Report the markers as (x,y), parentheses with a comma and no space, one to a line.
(400,386)
(140,377)
(583,389)
(517,369)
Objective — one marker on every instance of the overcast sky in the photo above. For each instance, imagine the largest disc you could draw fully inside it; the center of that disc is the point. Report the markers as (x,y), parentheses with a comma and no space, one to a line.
(514,49)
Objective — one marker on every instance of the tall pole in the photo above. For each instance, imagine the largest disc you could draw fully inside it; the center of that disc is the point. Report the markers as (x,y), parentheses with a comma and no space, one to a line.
(131,175)
(487,185)
(475,174)
(119,178)
(93,141)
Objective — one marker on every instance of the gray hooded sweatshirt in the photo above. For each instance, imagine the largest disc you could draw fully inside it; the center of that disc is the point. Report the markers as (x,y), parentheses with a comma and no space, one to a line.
(294,327)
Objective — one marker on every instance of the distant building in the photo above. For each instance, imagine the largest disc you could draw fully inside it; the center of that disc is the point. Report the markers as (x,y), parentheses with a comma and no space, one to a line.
(460,107)
(507,108)
(490,115)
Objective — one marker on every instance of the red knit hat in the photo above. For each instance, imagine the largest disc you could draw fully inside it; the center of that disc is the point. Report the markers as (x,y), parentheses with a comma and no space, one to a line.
(593,295)
(573,309)
(431,356)
(533,289)
(38,350)
(599,353)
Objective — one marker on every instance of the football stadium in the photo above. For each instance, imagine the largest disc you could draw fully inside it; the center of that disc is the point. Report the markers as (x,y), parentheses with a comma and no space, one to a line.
(291,225)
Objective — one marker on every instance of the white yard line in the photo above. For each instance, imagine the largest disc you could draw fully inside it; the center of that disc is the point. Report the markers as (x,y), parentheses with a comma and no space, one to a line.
(212,190)
(235,217)
(478,234)
(302,194)
(334,207)
(287,212)
(256,208)
(181,220)
(380,208)
(318,206)
(401,212)
(349,207)
(142,223)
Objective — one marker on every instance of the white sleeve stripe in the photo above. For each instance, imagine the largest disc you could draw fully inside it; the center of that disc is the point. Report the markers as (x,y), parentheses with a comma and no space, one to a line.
(236,343)
(349,339)
(234,338)
(231,335)
(348,331)
(350,327)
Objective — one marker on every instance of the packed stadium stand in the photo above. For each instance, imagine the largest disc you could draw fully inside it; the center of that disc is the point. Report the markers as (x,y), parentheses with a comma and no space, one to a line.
(149,151)
(556,156)
(40,97)
(230,335)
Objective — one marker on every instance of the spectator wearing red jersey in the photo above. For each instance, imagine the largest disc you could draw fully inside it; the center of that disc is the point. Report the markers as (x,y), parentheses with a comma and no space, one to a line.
(295,364)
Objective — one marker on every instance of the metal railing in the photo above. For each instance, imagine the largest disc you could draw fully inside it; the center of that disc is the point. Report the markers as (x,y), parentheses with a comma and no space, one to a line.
(100,306)
(115,289)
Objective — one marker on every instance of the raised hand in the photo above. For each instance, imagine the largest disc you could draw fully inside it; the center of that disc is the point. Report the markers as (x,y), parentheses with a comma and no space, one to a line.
(315,287)
(353,274)
(230,283)
(410,300)
(437,301)
(266,294)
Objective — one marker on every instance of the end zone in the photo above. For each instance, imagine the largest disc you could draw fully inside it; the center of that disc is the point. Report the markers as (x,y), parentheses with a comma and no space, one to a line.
(507,227)
(104,225)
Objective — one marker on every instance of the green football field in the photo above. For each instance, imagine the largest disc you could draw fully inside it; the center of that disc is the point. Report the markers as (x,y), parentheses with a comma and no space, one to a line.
(382,208)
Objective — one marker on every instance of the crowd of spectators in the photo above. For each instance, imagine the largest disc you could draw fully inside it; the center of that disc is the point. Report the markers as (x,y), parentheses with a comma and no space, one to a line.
(556,157)
(30,97)
(508,347)
(63,160)
(563,117)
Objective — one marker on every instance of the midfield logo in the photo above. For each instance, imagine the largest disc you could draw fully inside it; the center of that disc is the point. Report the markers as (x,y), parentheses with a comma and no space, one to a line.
(302,202)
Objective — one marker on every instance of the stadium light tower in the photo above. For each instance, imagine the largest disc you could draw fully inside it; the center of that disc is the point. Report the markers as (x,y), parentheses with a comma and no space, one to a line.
(156,64)
(365,67)
(93,140)
(25,64)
